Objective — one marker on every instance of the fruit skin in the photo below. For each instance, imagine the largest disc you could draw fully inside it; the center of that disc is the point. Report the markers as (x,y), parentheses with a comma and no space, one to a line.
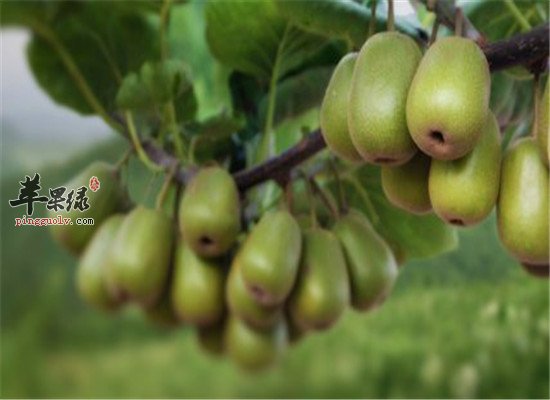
(104,202)
(209,213)
(371,265)
(543,125)
(140,255)
(522,209)
(464,191)
(448,100)
(270,257)
(334,111)
(243,305)
(92,267)
(406,186)
(322,290)
(251,349)
(198,287)
(383,73)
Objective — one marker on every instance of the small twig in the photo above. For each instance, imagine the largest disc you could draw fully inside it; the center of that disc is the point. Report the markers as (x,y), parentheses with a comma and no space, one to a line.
(459,22)
(137,144)
(165,186)
(372,22)
(433,35)
(311,199)
(536,103)
(342,202)
(391,17)
(324,198)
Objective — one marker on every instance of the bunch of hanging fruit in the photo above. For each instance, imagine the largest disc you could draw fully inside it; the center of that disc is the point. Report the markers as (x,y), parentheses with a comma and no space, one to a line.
(248,295)
(252,287)
(426,121)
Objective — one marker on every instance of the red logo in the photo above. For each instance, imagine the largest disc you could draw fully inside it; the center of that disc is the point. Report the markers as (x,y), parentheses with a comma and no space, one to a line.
(94,184)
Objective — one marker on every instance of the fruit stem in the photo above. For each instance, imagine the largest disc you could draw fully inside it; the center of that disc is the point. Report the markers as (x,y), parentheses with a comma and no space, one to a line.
(391,18)
(520,19)
(536,103)
(164,21)
(342,202)
(165,186)
(137,144)
(324,198)
(372,22)
(433,35)
(311,199)
(124,159)
(459,22)
(371,210)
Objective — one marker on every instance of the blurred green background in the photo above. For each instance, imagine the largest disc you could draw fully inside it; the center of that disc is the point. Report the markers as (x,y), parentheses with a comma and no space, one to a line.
(470,323)
(467,324)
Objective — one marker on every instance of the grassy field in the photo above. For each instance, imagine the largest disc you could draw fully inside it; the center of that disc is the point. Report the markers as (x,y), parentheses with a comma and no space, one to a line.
(476,340)
(470,323)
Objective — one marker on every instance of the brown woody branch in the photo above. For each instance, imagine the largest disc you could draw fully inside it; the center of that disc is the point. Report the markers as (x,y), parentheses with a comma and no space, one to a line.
(524,49)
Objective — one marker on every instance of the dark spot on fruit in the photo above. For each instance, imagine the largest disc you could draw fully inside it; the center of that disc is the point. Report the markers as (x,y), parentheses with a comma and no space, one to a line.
(258,293)
(456,221)
(206,241)
(437,137)
(541,271)
(384,160)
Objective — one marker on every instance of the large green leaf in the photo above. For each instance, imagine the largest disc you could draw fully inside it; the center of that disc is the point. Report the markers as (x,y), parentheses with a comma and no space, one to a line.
(299,93)
(343,19)
(252,37)
(496,20)
(102,45)
(411,236)
(156,84)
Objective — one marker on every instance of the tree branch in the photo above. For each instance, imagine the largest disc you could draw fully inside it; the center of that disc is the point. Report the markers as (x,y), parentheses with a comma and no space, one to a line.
(523,49)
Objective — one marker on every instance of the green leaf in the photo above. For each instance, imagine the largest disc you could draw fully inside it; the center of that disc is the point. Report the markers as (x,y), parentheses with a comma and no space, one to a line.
(298,94)
(343,19)
(156,84)
(410,236)
(252,37)
(101,44)
(212,138)
(496,21)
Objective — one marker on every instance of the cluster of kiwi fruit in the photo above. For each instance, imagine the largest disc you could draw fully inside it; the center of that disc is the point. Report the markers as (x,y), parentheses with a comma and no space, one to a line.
(425,120)
(247,292)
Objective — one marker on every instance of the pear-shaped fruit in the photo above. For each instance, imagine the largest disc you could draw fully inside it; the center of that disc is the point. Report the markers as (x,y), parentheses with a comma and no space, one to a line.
(383,73)
(464,191)
(406,186)
(197,287)
(108,199)
(243,305)
(92,267)
(251,349)
(209,214)
(448,100)
(543,125)
(522,209)
(371,265)
(322,290)
(140,255)
(210,338)
(334,111)
(270,257)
